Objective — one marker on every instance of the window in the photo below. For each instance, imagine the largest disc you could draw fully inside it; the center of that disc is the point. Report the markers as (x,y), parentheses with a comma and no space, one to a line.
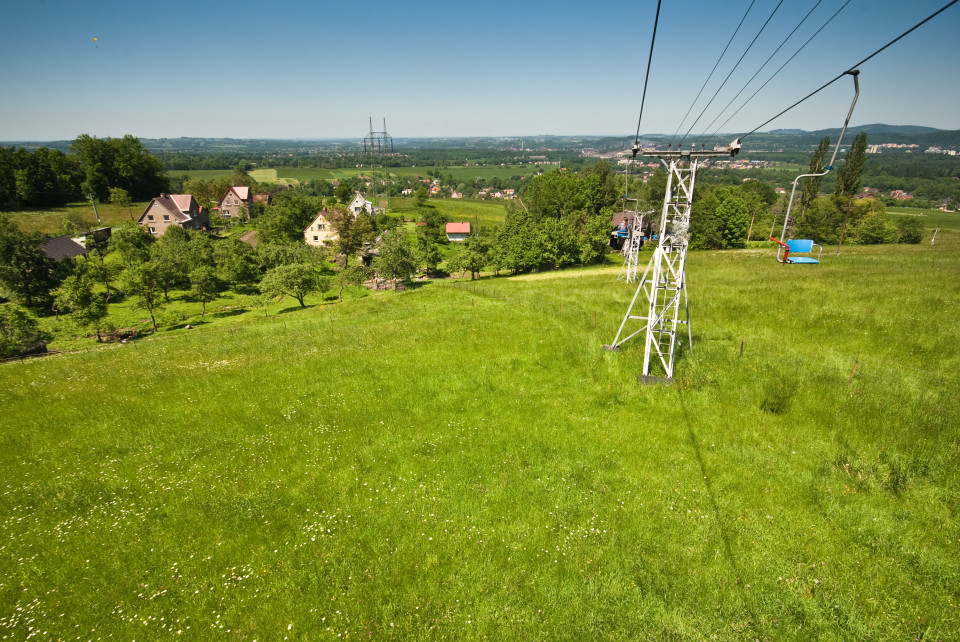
(153,230)
(166,217)
(321,226)
(316,238)
(149,217)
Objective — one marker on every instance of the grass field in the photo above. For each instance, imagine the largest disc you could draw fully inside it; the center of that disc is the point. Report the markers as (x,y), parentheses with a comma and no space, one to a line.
(462,460)
(490,212)
(49,221)
(303,174)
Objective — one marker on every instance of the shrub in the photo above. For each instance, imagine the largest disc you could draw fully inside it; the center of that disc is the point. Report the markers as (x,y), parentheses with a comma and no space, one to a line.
(909,229)
(20,333)
(875,229)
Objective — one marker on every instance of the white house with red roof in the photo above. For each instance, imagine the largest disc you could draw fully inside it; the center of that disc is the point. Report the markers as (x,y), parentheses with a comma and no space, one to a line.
(174,209)
(233,202)
(320,232)
(458,232)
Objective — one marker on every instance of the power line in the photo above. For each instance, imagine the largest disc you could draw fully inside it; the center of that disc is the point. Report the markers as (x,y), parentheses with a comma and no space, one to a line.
(765,63)
(732,70)
(656,19)
(715,65)
(802,47)
(855,65)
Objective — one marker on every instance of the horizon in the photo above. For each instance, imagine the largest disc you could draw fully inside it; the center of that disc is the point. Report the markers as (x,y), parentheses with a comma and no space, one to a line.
(87,67)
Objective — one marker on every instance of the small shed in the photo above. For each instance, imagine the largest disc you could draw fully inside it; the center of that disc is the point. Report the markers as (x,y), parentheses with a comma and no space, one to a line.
(458,232)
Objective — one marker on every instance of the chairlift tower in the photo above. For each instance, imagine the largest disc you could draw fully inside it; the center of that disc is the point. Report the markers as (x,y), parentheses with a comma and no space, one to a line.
(631,249)
(667,283)
(378,142)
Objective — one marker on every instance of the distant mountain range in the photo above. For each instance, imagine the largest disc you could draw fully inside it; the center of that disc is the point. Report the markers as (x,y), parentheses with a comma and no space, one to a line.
(774,140)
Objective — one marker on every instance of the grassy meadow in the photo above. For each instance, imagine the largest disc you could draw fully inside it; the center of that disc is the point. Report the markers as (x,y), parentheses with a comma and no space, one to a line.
(462,460)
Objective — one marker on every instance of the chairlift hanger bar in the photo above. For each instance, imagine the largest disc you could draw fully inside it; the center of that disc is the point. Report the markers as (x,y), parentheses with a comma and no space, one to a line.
(728,150)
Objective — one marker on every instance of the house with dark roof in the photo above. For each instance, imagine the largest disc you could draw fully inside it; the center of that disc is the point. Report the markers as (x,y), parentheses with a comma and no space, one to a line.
(235,201)
(174,209)
(70,246)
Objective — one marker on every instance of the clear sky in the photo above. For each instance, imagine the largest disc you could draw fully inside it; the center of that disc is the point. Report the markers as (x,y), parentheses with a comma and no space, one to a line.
(319,69)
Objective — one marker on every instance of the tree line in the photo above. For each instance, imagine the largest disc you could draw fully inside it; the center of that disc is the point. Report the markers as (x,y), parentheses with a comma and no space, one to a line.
(92,168)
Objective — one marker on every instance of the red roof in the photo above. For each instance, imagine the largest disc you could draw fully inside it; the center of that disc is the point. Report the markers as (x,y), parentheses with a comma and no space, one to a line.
(458,228)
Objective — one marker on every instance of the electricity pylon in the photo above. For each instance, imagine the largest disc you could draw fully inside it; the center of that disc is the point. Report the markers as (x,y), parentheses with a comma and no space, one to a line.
(664,282)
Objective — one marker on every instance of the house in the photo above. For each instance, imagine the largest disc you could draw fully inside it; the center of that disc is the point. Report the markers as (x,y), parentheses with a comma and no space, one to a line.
(458,232)
(234,201)
(174,209)
(320,232)
(359,203)
(60,248)
(406,192)
(456,194)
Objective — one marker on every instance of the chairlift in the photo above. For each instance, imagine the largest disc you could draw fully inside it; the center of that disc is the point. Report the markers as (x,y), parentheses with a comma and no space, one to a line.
(785,249)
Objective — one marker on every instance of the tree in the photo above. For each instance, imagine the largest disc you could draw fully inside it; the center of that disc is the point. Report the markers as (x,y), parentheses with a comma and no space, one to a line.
(426,252)
(26,273)
(875,228)
(395,260)
(733,218)
(347,276)
(811,188)
(121,198)
(909,229)
(20,333)
(204,286)
(352,233)
(132,242)
(143,282)
(235,262)
(77,296)
(848,178)
(420,196)
(296,280)
(171,259)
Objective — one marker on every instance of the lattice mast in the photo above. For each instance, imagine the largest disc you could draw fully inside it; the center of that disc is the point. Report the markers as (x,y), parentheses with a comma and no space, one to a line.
(378,142)
(631,249)
(667,285)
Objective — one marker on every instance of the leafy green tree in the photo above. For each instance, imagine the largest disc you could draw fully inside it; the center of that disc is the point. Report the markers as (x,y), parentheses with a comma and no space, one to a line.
(204,286)
(420,196)
(848,179)
(593,240)
(352,275)
(467,258)
(909,229)
(875,229)
(236,263)
(171,259)
(121,198)
(132,242)
(426,252)
(118,162)
(26,273)
(821,222)
(20,333)
(733,218)
(396,260)
(144,283)
(78,295)
(344,192)
(352,233)
(296,280)
(811,188)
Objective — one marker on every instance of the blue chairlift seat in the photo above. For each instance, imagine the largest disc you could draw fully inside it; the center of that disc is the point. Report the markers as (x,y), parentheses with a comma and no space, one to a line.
(802,246)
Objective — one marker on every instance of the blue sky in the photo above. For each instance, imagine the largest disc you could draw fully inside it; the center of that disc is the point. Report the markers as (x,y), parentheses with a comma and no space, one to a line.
(321,69)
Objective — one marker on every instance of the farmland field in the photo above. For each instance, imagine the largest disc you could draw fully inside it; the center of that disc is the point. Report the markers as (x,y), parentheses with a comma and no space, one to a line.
(462,460)
(489,212)
(49,220)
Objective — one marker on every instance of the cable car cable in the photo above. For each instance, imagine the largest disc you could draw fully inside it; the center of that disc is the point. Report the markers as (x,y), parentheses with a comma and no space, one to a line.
(656,19)
(731,71)
(752,96)
(715,65)
(855,66)
(765,63)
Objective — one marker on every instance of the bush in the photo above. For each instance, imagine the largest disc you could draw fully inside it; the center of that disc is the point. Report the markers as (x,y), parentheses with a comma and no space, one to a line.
(910,229)
(20,333)
(875,229)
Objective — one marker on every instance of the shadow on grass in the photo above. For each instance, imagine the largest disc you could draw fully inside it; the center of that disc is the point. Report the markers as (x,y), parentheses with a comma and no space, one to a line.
(721,521)
(295,308)
(223,314)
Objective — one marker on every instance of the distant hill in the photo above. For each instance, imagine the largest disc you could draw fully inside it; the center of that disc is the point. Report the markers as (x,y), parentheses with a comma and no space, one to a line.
(774,140)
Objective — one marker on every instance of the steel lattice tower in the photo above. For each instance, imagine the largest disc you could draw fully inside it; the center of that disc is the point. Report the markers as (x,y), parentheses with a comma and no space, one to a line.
(631,252)
(667,284)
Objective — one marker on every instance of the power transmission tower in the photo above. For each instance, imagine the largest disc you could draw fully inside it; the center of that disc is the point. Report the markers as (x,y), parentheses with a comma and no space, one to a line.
(378,142)
(667,280)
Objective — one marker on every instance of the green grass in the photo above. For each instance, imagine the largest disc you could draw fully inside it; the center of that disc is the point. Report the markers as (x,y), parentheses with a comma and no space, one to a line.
(49,220)
(464,461)
(205,174)
(491,212)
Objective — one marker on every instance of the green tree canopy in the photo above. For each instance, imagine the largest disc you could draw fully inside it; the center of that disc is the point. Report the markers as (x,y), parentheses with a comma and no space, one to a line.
(20,333)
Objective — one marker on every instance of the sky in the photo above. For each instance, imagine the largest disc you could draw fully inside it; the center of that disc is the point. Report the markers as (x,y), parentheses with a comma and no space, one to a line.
(318,69)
